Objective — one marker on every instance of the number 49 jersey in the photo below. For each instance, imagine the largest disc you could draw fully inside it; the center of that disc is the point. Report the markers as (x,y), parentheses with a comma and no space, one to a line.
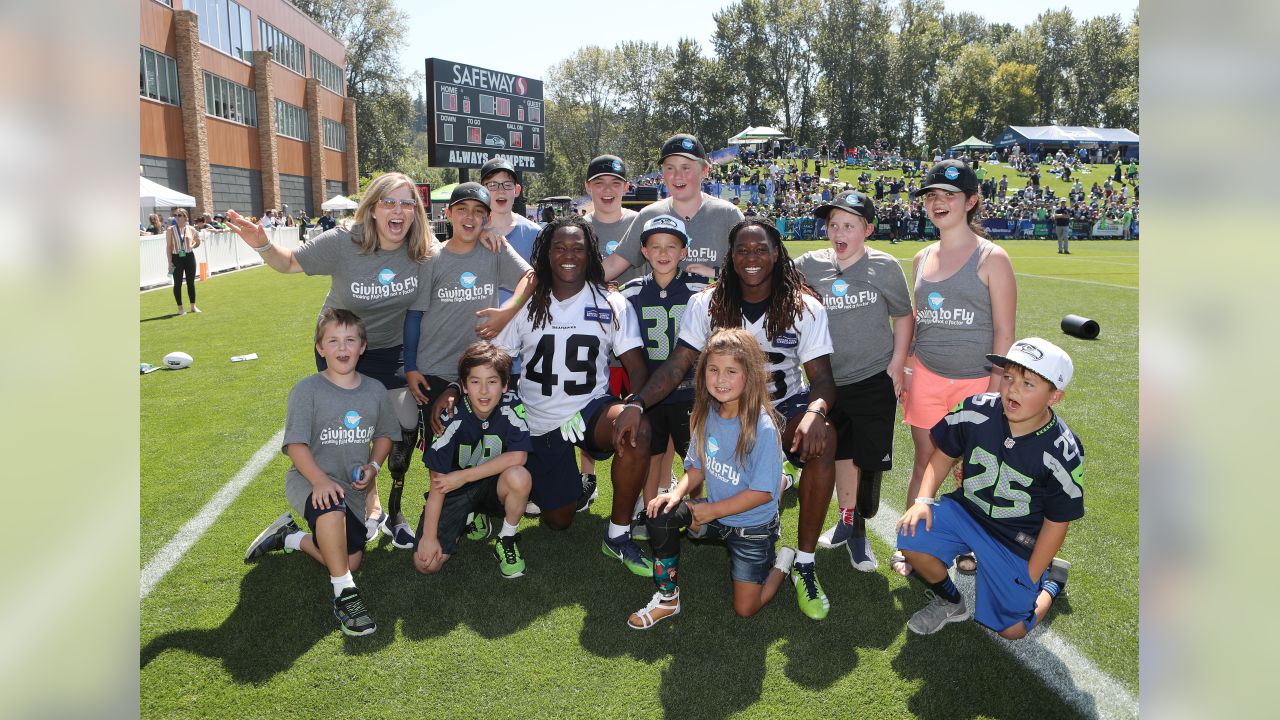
(809,337)
(566,361)
(1011,485)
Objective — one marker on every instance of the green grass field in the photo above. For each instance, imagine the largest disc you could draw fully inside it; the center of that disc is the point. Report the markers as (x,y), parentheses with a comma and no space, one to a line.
(223,639)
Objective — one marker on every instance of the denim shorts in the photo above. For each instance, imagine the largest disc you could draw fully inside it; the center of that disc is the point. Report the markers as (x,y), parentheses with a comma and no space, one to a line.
(751,549)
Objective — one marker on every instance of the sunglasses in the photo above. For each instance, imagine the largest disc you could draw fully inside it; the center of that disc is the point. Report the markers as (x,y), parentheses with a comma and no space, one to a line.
(390,203)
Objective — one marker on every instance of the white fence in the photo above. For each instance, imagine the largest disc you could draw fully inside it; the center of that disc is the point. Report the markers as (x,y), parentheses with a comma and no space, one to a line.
(221,250)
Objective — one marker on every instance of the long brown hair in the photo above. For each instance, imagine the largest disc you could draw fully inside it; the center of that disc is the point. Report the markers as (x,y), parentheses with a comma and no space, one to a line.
(740,345)
(366,231)
(787,287)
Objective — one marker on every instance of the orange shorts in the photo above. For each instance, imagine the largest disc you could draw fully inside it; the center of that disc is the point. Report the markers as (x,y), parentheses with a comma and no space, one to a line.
(930,396)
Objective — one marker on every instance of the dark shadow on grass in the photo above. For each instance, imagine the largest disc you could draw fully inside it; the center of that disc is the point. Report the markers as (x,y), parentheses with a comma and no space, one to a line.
(161,317)
(961,664)
(285,608)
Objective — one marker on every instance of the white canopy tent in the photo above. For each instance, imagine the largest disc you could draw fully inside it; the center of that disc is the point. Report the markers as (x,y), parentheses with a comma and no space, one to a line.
(757,135)
(152,195)
(339,202)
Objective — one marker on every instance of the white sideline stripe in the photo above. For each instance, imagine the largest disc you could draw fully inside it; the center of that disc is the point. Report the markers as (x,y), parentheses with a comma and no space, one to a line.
(1055,661)
(169,555)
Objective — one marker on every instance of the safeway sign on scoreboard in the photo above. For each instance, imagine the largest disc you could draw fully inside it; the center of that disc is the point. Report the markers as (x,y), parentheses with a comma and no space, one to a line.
(479,114)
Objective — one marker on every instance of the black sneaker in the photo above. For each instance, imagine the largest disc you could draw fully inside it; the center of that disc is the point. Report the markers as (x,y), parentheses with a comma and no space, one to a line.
(272,538)
(589,492)
(353,616)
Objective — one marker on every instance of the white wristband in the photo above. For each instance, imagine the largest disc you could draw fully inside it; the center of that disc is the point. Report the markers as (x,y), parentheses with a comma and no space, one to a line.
(376,467)
(262,249)
(926,501)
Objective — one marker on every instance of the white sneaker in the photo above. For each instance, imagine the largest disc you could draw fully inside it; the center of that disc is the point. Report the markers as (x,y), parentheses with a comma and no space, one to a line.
(531,510)
(786,558)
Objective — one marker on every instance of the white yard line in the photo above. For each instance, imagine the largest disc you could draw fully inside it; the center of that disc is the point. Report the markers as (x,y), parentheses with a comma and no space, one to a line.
(1063,668)
(169,555)
(1073,280)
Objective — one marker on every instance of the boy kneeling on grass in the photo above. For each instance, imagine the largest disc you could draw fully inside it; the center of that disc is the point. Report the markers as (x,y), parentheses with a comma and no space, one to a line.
(477,467)
(333,416)
(1023,485)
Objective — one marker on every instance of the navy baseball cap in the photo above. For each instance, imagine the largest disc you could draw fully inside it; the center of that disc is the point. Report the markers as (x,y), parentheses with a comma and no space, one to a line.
(850,201)
(606,165)
(496,165)
(684,145)
(953,175)
(469,191)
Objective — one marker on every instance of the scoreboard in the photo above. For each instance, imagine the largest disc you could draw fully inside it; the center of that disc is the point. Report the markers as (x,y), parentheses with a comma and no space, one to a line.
(478,114)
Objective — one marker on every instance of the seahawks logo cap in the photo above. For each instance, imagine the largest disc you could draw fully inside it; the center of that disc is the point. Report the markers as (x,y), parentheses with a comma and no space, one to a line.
(667,224)
(1040,356)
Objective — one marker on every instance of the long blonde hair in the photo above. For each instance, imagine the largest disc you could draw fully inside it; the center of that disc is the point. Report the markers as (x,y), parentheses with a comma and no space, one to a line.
(740,345)
(366,230)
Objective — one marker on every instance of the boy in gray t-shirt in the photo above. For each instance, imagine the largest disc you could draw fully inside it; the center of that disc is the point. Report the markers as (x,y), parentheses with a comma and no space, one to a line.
(333,417)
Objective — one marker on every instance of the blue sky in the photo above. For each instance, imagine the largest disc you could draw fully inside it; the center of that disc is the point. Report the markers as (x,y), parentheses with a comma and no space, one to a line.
(526,38)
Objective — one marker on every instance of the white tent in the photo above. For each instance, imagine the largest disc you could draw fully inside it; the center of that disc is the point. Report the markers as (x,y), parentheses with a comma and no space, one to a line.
(153,194)
(339,202)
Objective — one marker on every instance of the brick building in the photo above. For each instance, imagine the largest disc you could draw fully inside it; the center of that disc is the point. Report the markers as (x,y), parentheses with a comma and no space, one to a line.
(243,105)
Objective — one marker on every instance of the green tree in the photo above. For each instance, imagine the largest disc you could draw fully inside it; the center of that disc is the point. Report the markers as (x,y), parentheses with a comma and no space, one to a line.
(1097,69)
(1121,106)
(913,68)
(852,51)
(1057,31)
(1015,95)
(373,31)
(965,103)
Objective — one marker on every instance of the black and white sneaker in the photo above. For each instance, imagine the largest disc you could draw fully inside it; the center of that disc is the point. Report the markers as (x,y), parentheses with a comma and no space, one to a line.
(272,538)
(353,616)
(589,492)
(397,528)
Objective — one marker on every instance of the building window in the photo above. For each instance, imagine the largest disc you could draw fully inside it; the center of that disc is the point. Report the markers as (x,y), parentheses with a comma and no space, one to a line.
(157,76)
(230,101)
(291,121)
(284,49)
(335,135)
(225,25)
(329,75)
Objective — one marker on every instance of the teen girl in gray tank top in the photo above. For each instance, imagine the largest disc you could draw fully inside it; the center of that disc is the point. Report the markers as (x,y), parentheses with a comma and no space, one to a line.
(954,331)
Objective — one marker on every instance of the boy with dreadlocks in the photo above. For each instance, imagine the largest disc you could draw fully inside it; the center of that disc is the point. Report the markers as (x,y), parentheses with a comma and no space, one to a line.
(564,338)
(761,290)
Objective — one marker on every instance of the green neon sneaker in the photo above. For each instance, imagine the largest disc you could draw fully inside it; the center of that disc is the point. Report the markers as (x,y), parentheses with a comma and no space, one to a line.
(813,601)
(790,475)
(510,561)
(477,527)
(626,550)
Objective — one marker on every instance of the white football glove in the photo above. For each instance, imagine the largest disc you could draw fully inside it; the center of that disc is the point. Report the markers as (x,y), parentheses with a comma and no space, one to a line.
(574,429)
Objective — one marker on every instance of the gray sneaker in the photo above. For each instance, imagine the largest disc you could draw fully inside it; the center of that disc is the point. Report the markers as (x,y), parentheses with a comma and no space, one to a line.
(936,614)
(1058,570)
(272,538)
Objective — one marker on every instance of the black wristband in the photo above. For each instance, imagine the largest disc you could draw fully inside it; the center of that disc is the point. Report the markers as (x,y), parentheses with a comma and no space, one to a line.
(634,399)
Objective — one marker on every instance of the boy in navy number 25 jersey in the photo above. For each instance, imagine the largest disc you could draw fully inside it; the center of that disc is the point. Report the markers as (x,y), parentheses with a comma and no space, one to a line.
(1023,485)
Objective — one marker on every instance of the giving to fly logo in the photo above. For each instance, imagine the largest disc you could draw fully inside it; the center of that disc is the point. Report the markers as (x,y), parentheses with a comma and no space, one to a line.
(713,447)
(386,276)
(839,288)
(687,144)
(468,280)
(951,173)
(352,419)
(610,246)
(935,298)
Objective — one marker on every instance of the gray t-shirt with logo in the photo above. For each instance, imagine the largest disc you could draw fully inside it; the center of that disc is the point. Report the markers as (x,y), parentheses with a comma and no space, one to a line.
(610,235)
(379,287)
(337,425)
(453,288)
(708,231)
(860,302)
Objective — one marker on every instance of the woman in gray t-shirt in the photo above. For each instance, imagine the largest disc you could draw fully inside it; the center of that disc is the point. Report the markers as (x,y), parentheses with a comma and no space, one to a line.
(374,271)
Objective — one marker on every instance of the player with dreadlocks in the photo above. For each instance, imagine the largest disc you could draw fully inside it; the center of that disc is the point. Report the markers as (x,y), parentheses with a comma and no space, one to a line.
(761,290)
(572,324)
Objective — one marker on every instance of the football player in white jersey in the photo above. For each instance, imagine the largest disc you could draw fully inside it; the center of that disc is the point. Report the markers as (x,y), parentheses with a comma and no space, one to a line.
(564,337)
(761,290)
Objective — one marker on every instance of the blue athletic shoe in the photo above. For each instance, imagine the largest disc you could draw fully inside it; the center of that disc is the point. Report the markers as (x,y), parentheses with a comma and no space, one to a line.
(835,536)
